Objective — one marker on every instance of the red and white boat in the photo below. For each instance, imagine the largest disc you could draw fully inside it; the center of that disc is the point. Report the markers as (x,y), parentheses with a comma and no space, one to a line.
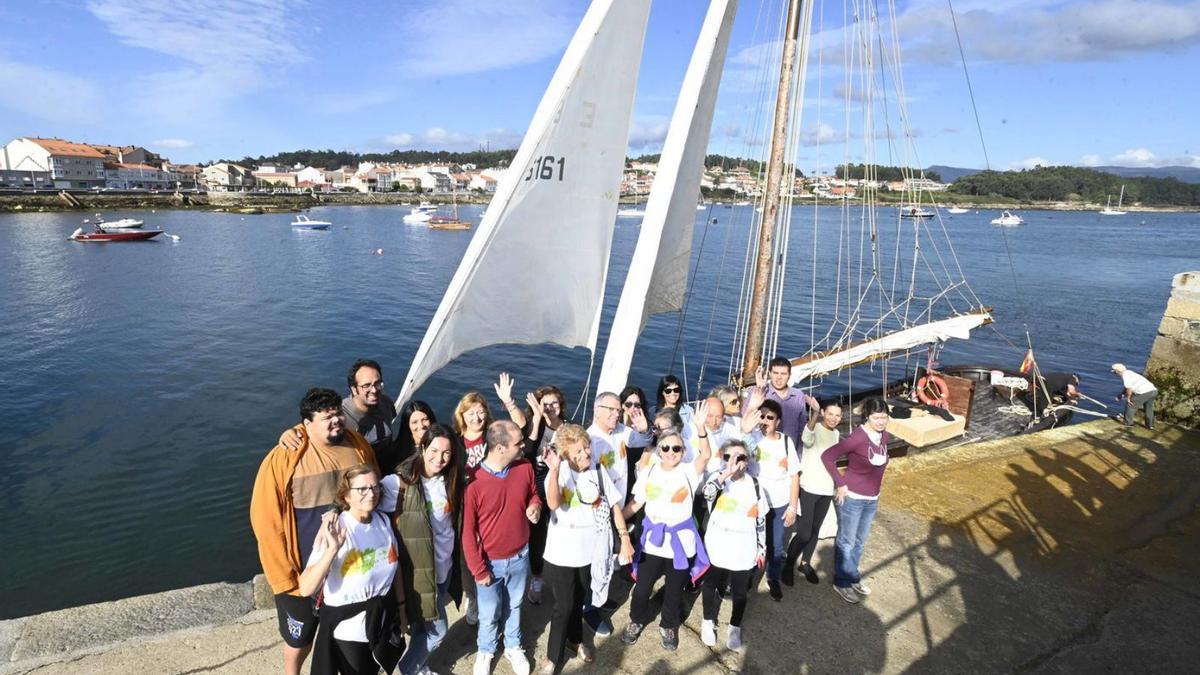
(104,235)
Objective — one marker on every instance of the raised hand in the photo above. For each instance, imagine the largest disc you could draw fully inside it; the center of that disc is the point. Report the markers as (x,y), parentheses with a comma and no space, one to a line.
(760,377)
(813,404)
(534,405)
(757,396)
(504,388)
(550,458)
(750,420)
(637,420)
(335,534)
(699,416)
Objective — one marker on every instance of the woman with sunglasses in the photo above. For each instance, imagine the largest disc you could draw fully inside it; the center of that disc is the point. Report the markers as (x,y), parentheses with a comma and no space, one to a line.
(736,540)
(353,564)
(544,407)
(669,545)
(425,498)
(670,395)
(857,493)
(584,505)
(776,465)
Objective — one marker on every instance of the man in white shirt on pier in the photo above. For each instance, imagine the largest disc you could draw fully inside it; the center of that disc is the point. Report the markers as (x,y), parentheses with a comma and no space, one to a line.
(1139,392)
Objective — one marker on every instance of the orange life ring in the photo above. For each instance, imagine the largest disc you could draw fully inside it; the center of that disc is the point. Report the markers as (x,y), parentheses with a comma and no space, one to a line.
(937,385)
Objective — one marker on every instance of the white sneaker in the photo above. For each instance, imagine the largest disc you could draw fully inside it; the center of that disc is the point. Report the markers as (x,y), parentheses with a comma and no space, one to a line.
(516,657)
(735,639)
(860,589)
(708,633)
(472,612)
(483,664)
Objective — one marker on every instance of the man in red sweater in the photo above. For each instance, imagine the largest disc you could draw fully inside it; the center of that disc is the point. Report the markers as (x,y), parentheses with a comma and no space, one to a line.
(499,505)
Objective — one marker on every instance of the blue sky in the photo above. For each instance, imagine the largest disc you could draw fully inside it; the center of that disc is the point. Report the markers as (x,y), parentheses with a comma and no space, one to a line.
(1090,82)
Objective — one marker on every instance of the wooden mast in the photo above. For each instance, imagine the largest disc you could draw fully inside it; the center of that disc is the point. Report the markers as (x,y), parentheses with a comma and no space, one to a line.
(765,265)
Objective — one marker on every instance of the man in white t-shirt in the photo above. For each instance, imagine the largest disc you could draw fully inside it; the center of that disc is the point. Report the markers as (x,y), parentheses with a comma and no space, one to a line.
(611,439)
(1139,392)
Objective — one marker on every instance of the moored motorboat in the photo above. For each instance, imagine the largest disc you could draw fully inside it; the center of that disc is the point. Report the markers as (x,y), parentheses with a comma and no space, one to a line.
(122,224)
(957,210)
(104,235)
(417,216)
(303,222)
(1007,219)
(915,212)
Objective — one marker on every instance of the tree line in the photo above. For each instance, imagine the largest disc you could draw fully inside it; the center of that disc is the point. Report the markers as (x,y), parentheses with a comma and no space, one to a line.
(886,174)
(1072,183)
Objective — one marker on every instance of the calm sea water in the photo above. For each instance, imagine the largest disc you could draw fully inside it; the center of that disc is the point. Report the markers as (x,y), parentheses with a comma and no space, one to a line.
(144,382)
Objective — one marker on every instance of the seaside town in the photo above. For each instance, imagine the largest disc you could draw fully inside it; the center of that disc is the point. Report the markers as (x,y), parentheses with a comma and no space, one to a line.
(32,163)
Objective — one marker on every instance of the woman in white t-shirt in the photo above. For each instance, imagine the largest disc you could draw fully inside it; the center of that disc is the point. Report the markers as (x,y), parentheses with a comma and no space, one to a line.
(353,563)
(736,540)
(584,505)
(670,545)
(776,465)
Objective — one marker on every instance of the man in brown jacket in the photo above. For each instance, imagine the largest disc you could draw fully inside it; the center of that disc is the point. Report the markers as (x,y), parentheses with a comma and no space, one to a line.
(291,492)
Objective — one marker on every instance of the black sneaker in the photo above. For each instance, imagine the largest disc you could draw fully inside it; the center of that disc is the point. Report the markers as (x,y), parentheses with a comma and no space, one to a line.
(776,591)
(632,632)
(809,573)
(599,625)
(670,638)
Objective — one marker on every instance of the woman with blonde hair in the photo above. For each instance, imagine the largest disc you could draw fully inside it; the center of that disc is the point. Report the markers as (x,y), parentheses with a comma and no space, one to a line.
(472,417)
(584,505)
(353,564)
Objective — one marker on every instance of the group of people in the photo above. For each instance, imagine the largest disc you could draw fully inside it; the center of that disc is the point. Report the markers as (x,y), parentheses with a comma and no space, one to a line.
(370,523)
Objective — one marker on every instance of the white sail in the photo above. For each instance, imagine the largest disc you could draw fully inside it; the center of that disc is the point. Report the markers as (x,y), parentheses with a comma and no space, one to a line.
(658,271)
(535,269)
(935,331)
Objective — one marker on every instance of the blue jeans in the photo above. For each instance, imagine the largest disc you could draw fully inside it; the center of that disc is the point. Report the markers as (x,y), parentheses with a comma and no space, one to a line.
(426,636)
(500,602)
(854,523)
(776,535)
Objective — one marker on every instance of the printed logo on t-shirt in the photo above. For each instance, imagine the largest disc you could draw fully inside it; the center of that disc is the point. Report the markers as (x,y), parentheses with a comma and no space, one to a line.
(437,505)
(727,504)
(358,562)
(609,459)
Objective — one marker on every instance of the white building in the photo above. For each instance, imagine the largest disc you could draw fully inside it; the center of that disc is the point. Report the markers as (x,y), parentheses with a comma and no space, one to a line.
(69,164)
(126,176)
(228,177)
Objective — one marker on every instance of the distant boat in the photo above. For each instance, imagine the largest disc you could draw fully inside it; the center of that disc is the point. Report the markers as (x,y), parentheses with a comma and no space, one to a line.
(1108,210)
(303,222)
(957,210)
(122,224)
(427,207)
(1007,219)
(451,223)
(104,235)
(417,216)
(741,203)
(915,212)
(630,213)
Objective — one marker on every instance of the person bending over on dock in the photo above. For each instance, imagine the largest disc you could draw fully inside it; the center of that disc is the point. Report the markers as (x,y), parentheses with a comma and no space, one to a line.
(1138,392)
(292,491)
(1054,389)
(367,410)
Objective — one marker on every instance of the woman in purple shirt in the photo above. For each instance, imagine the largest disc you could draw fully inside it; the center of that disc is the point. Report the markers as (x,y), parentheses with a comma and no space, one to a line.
(857,496)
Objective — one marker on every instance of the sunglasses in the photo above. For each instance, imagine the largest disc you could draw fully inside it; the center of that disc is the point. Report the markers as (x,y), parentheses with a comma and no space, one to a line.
(632,404)
(734,458)
(769,418)
(670,448)
(672,390)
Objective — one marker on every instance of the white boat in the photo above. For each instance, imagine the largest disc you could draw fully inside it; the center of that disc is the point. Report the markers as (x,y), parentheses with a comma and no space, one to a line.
(427,207)
(915,212)
(303,222)
(512,261)
(630,213)
(957,210)
(417,216)
(1108,210)
(1007,219)
(122,224)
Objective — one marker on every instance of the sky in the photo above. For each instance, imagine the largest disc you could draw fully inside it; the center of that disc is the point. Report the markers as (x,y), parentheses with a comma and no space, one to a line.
(1092,82)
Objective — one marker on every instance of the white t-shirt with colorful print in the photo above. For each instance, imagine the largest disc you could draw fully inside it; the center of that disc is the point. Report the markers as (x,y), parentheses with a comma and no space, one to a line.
(736,533)
(667,496)
(773,461)
(362,569)
(611,451)
(572,531)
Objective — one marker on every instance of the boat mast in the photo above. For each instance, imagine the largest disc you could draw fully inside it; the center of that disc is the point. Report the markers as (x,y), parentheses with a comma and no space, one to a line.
(764,266)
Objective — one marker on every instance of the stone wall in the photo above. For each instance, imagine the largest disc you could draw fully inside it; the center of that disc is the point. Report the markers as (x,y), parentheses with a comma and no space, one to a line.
(1174,365)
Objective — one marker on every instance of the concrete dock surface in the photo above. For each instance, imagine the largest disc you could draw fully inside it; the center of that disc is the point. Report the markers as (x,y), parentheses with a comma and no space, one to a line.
(1072,550)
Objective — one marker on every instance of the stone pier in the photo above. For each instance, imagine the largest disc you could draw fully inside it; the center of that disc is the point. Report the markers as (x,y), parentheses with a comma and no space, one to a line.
(1174,365)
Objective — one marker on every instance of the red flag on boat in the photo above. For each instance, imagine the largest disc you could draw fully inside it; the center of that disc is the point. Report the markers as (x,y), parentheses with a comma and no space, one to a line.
(1027,363)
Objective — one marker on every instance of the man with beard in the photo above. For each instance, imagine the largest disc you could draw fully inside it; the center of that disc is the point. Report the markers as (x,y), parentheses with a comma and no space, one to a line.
(367,410)
(292,490)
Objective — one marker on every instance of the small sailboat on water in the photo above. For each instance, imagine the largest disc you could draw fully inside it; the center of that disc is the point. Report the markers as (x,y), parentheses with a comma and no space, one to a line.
(1108,210)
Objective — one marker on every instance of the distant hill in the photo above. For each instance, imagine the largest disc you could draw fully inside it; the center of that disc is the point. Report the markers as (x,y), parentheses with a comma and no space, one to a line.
(1185,174)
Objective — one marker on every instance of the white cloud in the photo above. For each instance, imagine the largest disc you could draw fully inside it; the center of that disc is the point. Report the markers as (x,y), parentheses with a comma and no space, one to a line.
(647,133)
(1136,157)
(56,96)
(821,134)
(1029,163)
(1091,160)
(454,37)
(437,138)
(172,143)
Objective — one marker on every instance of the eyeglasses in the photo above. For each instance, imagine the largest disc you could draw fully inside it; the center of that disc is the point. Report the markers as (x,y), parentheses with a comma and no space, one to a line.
(632,404)
(672,390)
(368,386)
(670,448)
(734,458)
(370,489)
(608,407)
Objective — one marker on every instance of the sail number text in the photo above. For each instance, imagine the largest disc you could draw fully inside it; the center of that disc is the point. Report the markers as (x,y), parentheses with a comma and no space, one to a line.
(548,167)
